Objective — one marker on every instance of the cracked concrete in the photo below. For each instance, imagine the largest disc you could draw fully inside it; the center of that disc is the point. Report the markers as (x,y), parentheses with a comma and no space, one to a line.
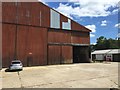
(83,75)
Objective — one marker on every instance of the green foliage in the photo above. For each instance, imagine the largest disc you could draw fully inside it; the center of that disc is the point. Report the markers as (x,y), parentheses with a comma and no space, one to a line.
(104,43)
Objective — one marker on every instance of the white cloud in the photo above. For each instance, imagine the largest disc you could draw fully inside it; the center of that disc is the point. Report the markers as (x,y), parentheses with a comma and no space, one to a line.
(117,25)
(88,8)
(93,43)
(115,11)
(64,9)
(92,35)
(91,27)
(104,23)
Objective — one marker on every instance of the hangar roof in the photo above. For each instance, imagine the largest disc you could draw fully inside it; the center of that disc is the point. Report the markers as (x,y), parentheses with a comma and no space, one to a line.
(108,51)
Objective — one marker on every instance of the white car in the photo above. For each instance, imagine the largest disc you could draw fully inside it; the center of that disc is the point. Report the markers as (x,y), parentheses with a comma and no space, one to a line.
(16,65)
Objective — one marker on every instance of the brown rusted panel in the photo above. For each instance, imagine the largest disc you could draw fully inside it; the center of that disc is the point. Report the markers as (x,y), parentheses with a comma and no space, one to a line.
(75,26)
(80,38)
(38,45)
(22,35)
(24,13)
(78,27)
(54,54)
(44,15)
(35,14)
(8,44)
(76,38)
(85,39)
(29,15)
(59,54)
(32,45)
(21,13)
(39,15)
(59,36)
(62,19)
(67,55)
(9,12)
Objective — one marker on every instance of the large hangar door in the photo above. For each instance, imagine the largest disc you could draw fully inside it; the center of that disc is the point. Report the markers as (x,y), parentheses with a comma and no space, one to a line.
(80,54)
(54,54)
(59,54)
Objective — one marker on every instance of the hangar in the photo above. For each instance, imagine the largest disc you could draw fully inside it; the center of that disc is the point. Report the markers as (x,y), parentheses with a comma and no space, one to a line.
(39,35)
(106,55)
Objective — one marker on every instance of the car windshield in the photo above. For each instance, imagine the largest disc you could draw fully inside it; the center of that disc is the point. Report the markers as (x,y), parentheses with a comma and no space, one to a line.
(15,62)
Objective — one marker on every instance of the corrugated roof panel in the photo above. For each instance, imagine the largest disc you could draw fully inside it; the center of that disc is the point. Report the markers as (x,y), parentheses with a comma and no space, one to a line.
(115,51)
(109,51)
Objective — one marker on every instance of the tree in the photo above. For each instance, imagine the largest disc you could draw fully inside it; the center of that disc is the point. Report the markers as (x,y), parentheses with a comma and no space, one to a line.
(104,43)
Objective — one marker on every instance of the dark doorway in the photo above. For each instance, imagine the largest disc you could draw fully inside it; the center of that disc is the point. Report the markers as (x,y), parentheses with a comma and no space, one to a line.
(80,54)
(116,57)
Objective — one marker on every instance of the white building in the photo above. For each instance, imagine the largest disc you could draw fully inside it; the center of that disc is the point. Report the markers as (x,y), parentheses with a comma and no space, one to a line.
(109,54)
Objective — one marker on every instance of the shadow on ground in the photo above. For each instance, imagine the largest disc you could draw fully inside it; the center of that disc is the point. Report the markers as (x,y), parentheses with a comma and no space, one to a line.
(7,70)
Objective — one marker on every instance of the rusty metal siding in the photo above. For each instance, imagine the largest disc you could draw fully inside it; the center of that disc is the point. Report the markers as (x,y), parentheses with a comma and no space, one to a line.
(59,37)
(22,34)
(80,38)
(35,14)
(24,13)
(27,14)
(38,45)
(21,13)
(54,55)
(44,15)
(59,54)
(8,44)
(32,40)
(29,40)
(78,27)
(67,54)
(85,38)
(39,15)
(8,12)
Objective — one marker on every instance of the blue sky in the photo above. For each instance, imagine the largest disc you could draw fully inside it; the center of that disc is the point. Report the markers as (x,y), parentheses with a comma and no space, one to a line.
(98,15)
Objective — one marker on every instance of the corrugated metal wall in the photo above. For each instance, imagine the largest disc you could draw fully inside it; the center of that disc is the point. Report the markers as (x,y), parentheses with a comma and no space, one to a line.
(8,43)
(34,34)
(59,54)
(39,16)
(45,15)
(80,37)
(32,40)
(29,40)
(9,12)
(59,37)
(78,27)
(24,13)
(69,37)
(67,54)
(54,54)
